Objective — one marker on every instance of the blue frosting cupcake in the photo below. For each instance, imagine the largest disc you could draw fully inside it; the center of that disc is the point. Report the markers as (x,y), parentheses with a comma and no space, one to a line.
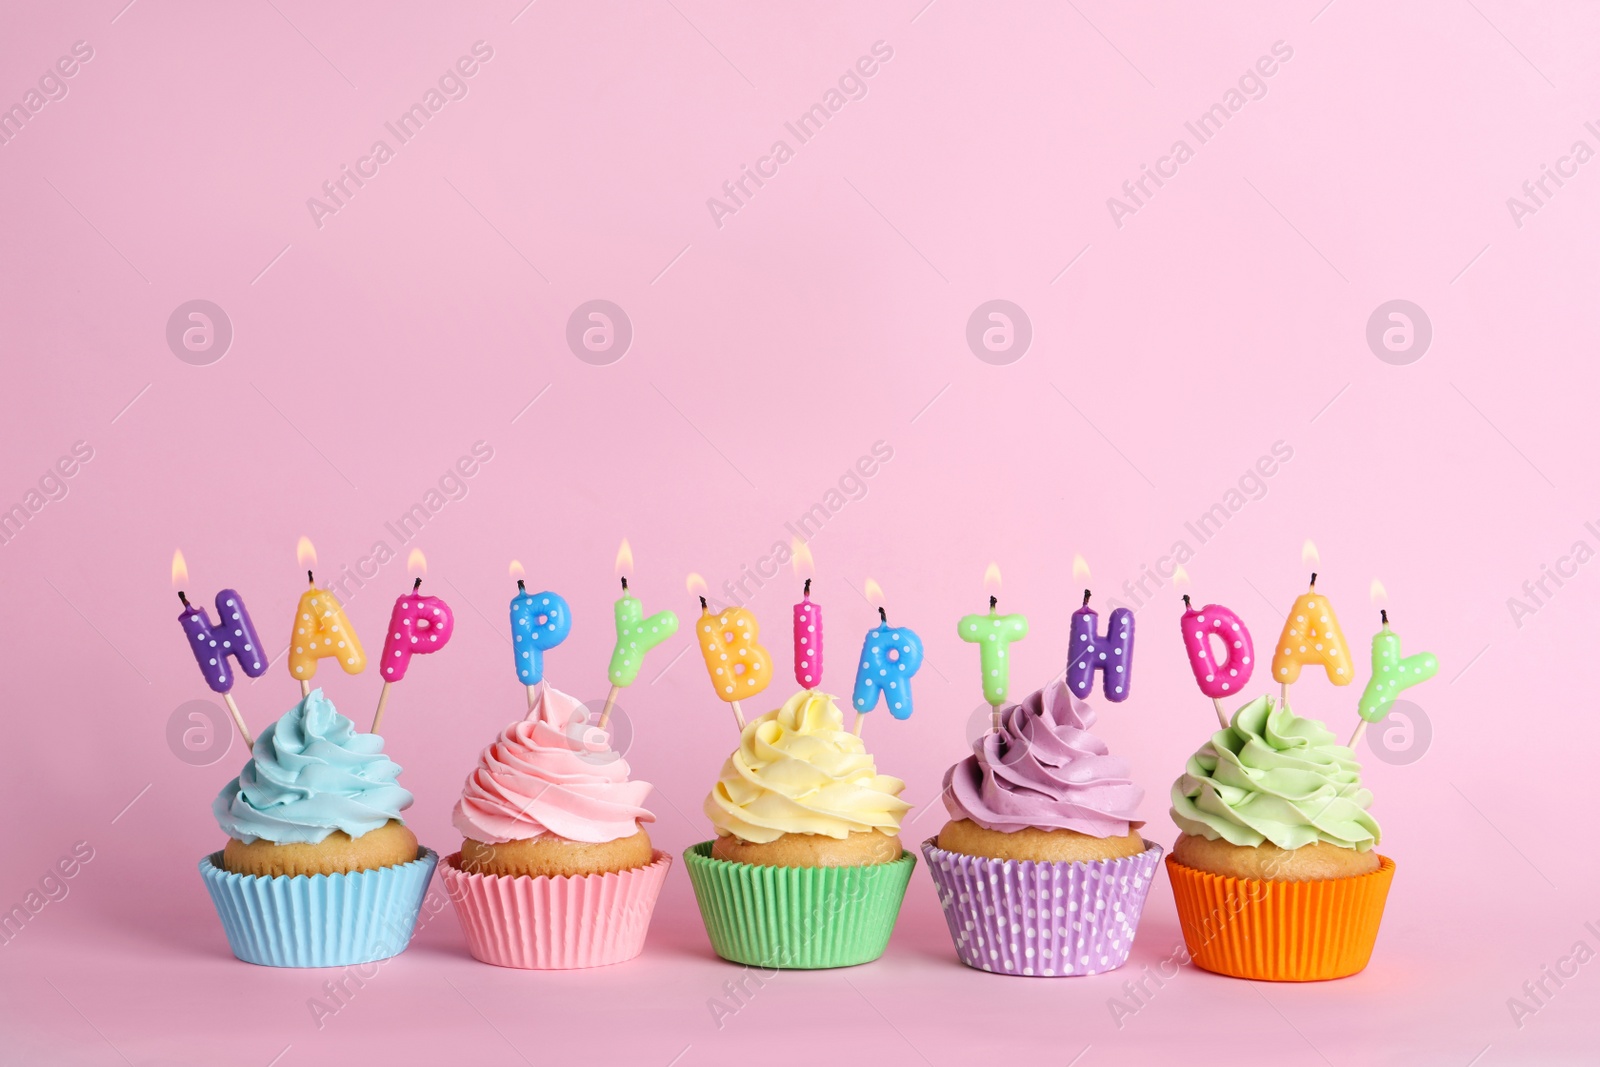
(311,776)
(319,870)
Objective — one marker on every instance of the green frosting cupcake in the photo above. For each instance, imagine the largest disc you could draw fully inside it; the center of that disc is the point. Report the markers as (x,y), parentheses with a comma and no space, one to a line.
(1273,776)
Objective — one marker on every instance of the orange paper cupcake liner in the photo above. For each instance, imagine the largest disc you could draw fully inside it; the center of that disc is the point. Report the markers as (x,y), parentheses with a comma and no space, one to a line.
(1280,931)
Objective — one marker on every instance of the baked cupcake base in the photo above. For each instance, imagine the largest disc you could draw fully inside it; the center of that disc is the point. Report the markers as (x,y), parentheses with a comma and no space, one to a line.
(320,920)
(1317,861)
(555,923)
(811,850)
(1042,919)
(1031,843)
(801,918)
(338,853)
(556,857)
(1280,931)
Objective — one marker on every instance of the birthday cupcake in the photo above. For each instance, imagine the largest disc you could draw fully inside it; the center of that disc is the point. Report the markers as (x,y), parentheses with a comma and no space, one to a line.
(1276,873)
(555,870)
(806,870)
(1041,870)
(318,870)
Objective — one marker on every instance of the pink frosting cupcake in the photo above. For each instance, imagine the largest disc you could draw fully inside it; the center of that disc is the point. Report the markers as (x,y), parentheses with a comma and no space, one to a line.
(552,774)
(556,870)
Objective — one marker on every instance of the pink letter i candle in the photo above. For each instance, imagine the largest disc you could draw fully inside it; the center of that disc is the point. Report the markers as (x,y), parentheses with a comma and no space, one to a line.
(808,641)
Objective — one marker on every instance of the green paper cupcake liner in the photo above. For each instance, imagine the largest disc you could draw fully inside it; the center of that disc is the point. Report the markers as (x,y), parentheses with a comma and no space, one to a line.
(799,918)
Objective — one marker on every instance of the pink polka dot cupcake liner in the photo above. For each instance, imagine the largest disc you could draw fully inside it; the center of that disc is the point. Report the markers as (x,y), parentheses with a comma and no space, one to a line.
(1042,920)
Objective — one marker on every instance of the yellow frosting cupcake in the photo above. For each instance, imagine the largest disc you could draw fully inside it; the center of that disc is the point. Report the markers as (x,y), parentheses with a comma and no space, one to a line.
(802,791)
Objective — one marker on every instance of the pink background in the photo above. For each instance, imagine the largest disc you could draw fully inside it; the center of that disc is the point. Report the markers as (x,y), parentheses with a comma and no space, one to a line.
(769,354)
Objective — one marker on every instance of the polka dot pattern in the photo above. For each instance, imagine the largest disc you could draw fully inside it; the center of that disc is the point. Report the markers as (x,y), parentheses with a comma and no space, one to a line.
(418,625)
(636,635)
(1110,653)
(539,622)
(234,635)
(737,664)
(890,656)
(321,630)
(808,644)
(993,635)
(1311,635)
(1204,631)
(1044,920)
(1391,674)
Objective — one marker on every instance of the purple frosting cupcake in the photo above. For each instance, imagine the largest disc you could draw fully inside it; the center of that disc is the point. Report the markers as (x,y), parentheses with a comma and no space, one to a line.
(1044,769)
(1041,870)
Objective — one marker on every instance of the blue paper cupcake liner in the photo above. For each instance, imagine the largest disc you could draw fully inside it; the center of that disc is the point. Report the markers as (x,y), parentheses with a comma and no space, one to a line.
(322,920)
(1039,919)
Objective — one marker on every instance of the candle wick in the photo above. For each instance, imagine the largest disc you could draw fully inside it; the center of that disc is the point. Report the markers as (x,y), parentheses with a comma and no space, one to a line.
(993,601)
(1086,598)
(1186,601)
(883,616)
(1313,579)
(1384,613)
(311,579)
(416,585)
(624,583)
(522,586)
(183,598)
(703,604)
(808,587)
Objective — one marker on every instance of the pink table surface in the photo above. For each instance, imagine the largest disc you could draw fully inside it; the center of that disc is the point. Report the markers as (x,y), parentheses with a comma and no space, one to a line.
(775,341)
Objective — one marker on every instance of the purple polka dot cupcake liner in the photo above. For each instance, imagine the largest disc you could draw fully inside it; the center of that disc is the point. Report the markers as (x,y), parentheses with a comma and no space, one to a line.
(1042,920)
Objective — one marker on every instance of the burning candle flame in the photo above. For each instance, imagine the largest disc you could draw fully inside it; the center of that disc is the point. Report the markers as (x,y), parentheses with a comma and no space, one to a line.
(306,553)
(1180,577)
(516,570)
(1309,556)
(417,564)
(180,570)
(804,565)
(991,579)
(874,593)
(1080,569)
(696,585)
(624,565)
(1380,595)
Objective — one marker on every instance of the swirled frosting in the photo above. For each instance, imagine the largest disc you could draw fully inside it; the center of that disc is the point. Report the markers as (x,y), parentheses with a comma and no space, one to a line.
(799,771)
(1273,776)
(552,774)
(1044,769)
(310,774)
